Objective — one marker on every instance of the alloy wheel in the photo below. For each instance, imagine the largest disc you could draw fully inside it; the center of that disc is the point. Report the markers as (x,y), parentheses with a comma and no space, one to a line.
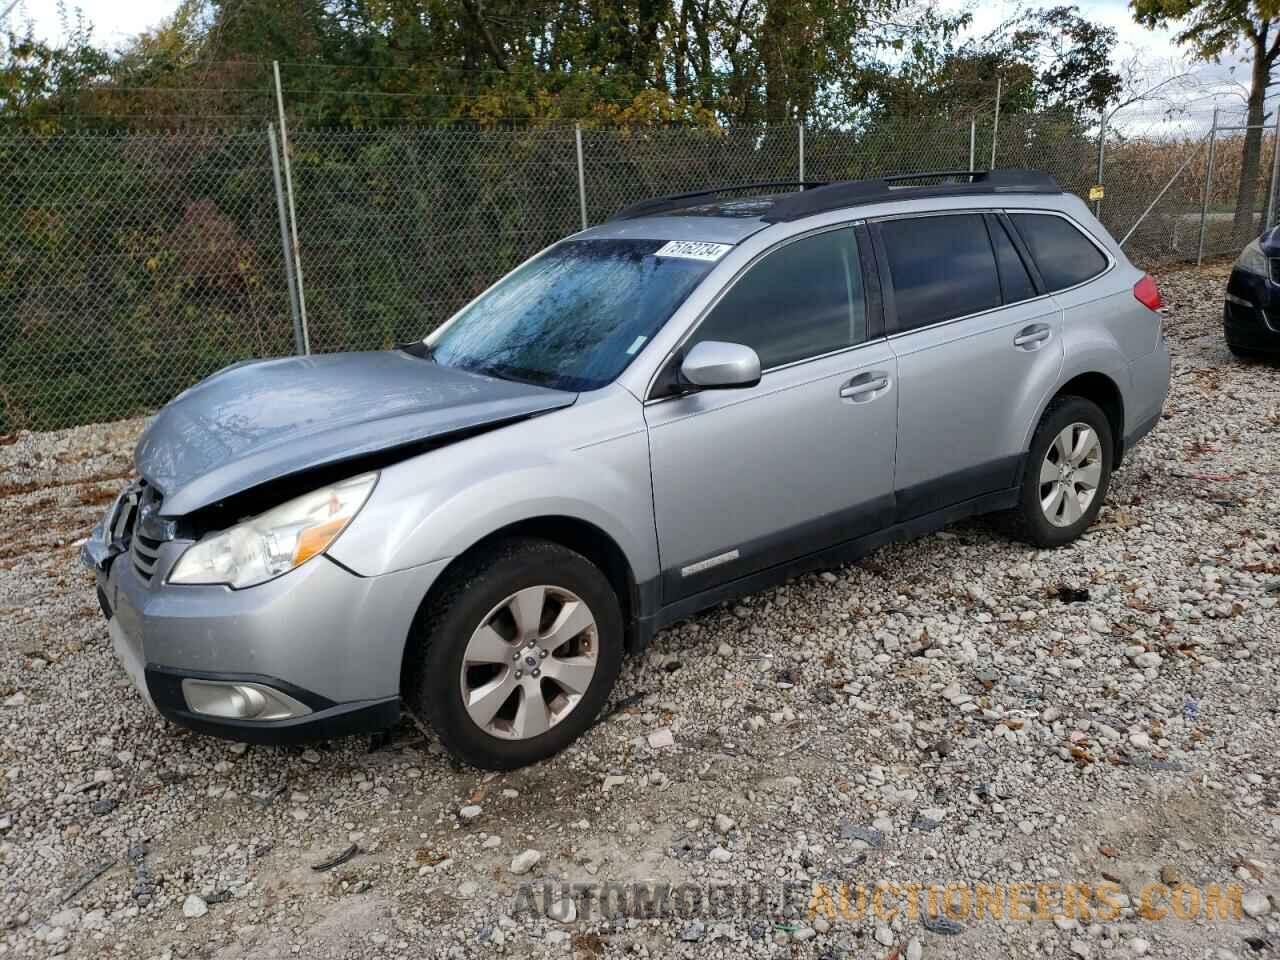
(528,664)
(1070,474)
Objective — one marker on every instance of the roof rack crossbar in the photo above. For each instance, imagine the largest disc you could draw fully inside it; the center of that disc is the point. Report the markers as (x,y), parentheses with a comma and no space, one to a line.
(675,201)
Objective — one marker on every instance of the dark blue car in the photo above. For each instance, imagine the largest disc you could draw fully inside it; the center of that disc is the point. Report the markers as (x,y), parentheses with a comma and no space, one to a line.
(1251,315)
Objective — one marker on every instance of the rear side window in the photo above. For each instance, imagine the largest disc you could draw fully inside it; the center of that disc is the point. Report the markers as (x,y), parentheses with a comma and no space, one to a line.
(1014,278)
(942,267)
(1063,254)
(802,300)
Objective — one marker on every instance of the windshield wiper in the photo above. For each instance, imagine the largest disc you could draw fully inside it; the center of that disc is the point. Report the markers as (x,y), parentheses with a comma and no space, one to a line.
(533,378)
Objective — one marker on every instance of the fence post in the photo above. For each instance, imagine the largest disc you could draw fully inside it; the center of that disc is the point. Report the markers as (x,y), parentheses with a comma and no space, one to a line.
(973,140)
(1275,172)
(1208,184)
(995,124)
(800,131)
(285,247)
(582,175)
(1102,152)
(293,214)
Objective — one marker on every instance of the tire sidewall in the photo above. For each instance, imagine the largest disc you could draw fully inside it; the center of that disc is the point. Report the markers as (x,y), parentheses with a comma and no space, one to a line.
(1057,418)
(439,687)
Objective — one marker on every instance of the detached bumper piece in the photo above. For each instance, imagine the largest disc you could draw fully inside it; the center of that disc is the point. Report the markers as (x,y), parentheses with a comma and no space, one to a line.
(262,710)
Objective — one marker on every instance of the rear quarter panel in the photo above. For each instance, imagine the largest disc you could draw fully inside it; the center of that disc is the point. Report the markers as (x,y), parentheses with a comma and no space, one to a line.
(1108,305)
(1104,327)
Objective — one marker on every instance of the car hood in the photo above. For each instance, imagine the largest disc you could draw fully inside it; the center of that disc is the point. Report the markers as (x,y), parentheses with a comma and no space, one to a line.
(262,420)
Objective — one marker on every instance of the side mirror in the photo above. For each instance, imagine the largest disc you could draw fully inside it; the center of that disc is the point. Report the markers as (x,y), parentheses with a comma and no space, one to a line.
(713,364)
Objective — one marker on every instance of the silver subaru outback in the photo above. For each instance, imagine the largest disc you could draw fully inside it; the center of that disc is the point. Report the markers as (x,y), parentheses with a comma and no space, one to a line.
(703,396)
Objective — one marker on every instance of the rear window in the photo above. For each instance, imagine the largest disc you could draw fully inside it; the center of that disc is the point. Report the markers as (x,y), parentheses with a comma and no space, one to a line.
(1064,255)
(942,267)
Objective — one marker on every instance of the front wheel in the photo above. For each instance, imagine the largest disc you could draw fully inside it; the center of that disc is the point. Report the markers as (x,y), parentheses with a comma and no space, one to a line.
(1067,471)
(515,653)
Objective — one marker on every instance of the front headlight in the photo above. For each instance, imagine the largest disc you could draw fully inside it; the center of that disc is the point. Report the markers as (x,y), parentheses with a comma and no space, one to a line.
(1253,260)
(275,542)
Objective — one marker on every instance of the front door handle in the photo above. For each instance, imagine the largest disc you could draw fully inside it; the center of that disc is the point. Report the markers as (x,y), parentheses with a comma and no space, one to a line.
(865,386)
(1032,337)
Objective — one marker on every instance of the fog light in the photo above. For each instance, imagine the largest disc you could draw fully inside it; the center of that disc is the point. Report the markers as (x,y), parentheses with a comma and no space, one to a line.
(240,700)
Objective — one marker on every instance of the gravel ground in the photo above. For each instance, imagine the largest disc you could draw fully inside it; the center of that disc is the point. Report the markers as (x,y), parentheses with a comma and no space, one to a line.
(961,709)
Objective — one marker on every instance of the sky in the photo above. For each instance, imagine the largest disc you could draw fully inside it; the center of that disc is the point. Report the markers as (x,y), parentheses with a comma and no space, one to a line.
(114,21)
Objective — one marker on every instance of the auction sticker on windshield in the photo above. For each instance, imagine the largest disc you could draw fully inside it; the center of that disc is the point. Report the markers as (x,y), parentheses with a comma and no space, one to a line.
(693,250)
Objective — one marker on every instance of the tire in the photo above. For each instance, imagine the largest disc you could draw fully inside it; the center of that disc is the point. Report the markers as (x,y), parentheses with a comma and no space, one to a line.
(480,606)
(1060,523)
(1242,353)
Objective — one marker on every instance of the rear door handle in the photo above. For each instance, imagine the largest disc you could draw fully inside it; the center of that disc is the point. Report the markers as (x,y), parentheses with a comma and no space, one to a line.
(1032,337)
(865,386)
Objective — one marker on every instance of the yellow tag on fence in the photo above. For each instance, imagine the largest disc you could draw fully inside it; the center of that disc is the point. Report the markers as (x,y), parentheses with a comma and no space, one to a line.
(1096,192)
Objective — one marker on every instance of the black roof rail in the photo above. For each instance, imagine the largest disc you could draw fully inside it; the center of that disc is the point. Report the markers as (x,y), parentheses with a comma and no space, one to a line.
(965,174)
(956,183)
(676,201)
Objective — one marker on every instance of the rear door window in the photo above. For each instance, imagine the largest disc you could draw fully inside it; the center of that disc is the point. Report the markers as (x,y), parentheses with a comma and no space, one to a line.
(942,267)
(1063,254)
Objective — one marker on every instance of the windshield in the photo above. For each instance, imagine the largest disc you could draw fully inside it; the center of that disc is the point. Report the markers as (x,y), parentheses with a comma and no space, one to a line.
(573,317)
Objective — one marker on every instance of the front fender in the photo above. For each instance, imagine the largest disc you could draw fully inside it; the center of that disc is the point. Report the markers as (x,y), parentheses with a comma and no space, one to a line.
(438,505)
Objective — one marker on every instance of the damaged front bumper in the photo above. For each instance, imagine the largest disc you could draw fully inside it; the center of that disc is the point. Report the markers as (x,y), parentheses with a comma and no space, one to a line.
(312,654)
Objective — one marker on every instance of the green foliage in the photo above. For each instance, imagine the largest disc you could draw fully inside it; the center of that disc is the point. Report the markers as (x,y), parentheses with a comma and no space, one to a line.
(130,267)
(356,63)
(1210,27)
(40,83)
(1051,59)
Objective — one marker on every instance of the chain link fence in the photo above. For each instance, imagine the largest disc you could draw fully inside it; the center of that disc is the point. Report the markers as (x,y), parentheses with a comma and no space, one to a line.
(398,228)
(132,265)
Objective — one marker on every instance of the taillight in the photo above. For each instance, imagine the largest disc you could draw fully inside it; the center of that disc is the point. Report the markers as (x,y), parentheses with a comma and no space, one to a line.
(1147,293)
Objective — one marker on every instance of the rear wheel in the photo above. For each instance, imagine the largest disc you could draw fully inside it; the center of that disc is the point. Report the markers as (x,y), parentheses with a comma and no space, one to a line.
(1066,474)
(515,653)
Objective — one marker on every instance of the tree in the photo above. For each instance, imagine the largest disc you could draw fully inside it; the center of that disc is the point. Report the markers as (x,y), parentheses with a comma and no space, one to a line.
(40,82)
(743,62)
(1214,27)
(1051,59)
